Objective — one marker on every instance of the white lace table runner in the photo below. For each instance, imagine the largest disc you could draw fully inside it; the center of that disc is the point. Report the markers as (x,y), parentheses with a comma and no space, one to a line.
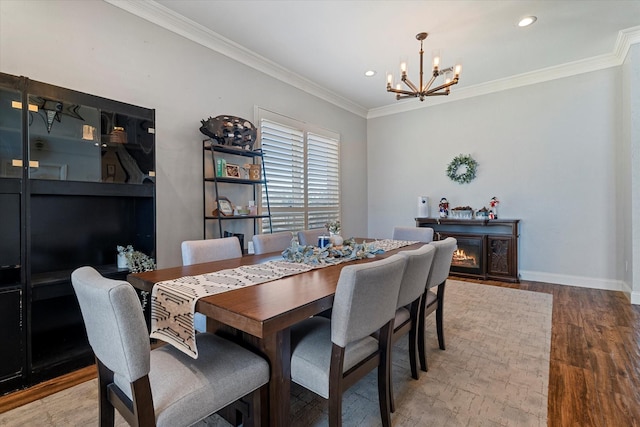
(173,301)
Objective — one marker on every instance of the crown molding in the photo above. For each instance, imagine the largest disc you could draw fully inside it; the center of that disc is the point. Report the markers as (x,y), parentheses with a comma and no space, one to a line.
(166,18)
(169,20)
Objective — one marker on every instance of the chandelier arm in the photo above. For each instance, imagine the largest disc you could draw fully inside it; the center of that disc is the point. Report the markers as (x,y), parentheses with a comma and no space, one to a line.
(444,86)
(409,83)
(398,97)
(404,92)
(429,83)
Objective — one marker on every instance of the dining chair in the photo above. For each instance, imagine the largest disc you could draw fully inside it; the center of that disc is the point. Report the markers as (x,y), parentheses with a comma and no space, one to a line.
(274,242)
(412,287)
(329,355)
(418,234)
(435,301)
(310,237)
(164,386)
(208,250)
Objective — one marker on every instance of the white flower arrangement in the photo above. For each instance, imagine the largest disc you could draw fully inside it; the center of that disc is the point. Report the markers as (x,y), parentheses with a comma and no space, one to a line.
(333,227)
(136,261)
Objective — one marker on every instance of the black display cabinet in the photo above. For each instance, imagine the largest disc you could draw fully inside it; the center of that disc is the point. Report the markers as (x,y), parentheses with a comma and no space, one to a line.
(77,179)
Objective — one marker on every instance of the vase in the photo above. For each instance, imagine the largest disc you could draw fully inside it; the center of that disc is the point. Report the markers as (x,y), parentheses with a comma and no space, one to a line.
(336,239)
(122,261)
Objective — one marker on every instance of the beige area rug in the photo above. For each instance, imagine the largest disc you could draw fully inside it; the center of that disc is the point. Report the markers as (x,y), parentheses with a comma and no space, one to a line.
(494,372)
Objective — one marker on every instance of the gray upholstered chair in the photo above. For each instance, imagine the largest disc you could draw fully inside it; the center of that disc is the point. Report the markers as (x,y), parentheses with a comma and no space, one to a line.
(163,386)
(208,250)
(199,251)
(435,301)
(413,286)
(328,356)
(274,242)
(418,234)
(310,237)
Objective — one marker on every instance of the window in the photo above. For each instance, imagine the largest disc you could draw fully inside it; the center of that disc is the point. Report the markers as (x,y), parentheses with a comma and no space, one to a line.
(302,164)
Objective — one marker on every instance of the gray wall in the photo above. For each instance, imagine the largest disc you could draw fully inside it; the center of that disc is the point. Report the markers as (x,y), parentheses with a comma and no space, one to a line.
(94,47)
(548,151)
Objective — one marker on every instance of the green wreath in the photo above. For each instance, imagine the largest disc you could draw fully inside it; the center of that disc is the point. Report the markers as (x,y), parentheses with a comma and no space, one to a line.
(470,172)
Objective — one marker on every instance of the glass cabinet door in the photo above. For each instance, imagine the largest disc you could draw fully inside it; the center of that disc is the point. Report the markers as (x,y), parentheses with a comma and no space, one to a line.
(10,134)
(128,149)
(64,140)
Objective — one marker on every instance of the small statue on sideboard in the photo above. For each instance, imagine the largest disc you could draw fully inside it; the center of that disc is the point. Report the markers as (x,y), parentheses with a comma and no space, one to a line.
(444,208)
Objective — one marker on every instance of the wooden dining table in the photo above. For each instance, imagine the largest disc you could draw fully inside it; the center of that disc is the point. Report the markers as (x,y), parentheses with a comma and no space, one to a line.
(262,314)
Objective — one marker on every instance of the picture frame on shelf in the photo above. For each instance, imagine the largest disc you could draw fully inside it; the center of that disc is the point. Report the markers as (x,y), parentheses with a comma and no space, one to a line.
(225,208)
(233,171)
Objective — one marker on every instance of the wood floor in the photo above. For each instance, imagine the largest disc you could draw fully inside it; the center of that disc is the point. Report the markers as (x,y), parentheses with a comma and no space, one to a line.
(594,375)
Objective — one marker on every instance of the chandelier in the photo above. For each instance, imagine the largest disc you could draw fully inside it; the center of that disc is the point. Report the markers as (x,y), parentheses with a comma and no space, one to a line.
(423,90)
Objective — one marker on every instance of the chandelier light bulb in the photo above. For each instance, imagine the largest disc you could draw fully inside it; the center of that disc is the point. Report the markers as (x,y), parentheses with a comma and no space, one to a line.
(436,62)
(457,71)
(389,79)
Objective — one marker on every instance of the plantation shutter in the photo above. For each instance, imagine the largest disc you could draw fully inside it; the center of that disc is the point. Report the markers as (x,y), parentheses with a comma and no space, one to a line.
(302,168)
(283,149)
(323,180)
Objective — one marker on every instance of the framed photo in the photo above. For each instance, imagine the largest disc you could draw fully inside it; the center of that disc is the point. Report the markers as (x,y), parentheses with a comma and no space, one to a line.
(225,206)
(233,171)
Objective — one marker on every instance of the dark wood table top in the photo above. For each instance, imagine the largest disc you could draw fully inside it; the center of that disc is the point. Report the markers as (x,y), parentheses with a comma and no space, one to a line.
(261,309)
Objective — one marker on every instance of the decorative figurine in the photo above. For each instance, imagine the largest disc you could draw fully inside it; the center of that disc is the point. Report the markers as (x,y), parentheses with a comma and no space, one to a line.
(444,207)
(230,130)
(494,202)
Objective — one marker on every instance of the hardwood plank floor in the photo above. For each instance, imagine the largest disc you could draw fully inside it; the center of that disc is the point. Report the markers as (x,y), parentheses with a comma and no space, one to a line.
(594,375)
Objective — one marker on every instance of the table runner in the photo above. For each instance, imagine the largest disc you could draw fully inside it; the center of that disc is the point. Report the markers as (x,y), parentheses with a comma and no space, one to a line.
(173,301)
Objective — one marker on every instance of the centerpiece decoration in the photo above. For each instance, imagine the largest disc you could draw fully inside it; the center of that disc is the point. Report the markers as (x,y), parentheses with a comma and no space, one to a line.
(334,231)
(330,254)
(467,167)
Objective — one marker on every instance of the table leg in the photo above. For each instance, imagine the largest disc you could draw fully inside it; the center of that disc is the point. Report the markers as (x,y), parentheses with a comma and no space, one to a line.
(277,349)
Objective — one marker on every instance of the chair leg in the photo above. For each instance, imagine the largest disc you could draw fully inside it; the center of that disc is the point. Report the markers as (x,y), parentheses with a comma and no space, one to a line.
(439,314)
(254,402)
(105,408)
(384,374)
(335,386)
(422,353)
(413,339)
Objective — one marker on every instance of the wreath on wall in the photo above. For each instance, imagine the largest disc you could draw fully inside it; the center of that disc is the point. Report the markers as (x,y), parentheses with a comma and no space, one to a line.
(468,173)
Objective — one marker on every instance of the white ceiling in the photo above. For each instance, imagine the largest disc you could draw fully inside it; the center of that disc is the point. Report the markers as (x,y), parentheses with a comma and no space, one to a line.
(328,45)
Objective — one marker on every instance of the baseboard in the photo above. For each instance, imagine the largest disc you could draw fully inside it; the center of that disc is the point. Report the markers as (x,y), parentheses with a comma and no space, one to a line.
(580,281)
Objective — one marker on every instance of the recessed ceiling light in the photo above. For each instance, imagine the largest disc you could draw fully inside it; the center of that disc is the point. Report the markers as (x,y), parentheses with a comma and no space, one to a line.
(526,21)
(370,73)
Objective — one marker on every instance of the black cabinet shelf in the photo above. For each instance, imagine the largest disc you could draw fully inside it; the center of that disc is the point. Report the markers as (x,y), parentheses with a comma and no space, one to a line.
(53,284)
(79,188)
(93,188)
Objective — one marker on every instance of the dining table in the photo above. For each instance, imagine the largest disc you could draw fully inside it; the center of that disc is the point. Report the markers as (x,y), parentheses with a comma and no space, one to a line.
(261,315)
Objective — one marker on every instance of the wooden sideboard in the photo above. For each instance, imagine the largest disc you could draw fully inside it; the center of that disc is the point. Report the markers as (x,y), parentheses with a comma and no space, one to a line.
(492,245)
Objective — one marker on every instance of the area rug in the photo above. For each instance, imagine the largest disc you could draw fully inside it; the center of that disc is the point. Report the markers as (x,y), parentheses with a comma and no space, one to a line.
(494,372)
